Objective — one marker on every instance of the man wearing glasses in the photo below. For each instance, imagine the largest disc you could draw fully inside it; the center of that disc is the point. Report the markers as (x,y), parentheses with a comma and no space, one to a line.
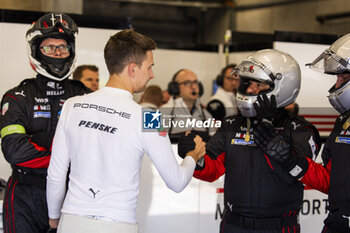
(223,102)
(186,112)
(29,115)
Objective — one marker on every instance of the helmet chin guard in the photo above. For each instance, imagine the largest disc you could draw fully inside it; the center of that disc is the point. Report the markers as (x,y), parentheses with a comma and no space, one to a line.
(339,97)
(277,69)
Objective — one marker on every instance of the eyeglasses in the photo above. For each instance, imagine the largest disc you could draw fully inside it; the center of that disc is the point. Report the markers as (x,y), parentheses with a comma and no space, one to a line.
(51,49)
(231,78)
(189,83)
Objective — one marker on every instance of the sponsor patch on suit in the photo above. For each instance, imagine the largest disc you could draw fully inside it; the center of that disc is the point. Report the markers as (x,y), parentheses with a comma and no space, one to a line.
(241,142)
(42,114)
(345,140)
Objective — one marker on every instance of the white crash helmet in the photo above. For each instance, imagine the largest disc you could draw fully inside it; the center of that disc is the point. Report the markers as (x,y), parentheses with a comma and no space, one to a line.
(270,66)
(52,25)
(335,60)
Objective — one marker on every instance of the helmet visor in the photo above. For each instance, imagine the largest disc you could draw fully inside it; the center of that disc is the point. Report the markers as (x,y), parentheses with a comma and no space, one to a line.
(330,63)
(255,71)
(55,22)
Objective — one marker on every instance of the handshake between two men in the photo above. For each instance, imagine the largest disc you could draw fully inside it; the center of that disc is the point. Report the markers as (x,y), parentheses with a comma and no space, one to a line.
(191,145)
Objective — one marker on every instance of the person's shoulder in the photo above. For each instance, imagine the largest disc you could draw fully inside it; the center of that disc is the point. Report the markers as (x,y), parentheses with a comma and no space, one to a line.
(166,107)
(21,90)
(298,121)
(83,97)
(216,108)
(77,85)
(215,105)
(134,111)
(138,107)
(219,94)
(234,120)
(148,107)
(27,82)
(301,125)
(130,106)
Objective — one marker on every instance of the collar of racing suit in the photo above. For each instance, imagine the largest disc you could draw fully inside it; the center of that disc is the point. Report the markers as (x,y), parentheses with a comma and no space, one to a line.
(51,87)
(282,116)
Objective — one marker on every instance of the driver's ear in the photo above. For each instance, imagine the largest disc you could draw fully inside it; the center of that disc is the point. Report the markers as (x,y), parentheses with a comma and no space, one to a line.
(131,69)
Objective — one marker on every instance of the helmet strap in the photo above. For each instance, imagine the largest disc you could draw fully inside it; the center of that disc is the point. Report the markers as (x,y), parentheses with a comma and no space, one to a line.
(247,135)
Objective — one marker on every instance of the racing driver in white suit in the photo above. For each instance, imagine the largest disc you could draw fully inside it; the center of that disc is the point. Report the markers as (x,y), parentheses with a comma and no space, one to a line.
(101,137)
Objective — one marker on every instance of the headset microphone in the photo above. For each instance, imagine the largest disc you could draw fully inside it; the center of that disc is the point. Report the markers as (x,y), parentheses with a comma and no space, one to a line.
(194,93)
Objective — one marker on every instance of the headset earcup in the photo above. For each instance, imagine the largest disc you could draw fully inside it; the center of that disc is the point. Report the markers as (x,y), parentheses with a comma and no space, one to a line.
(220,80)
(173,88)
(201,89)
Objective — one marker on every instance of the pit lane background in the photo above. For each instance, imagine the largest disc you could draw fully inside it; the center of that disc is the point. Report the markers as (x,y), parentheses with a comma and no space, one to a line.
(199,207)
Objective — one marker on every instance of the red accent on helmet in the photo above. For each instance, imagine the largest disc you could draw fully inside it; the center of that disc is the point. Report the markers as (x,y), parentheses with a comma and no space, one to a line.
(31,64)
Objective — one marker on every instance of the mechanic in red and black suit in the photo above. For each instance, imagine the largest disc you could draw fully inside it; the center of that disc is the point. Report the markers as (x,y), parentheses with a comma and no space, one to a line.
(29,115)
(259,196)
(333,177)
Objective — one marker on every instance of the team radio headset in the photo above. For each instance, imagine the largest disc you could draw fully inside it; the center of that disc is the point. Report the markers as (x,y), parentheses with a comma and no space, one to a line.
(174,91)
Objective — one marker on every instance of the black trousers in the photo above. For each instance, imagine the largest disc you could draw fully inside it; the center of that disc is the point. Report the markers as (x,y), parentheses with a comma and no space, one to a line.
(230,224)
(325,229)
(230,228)
(24,208)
